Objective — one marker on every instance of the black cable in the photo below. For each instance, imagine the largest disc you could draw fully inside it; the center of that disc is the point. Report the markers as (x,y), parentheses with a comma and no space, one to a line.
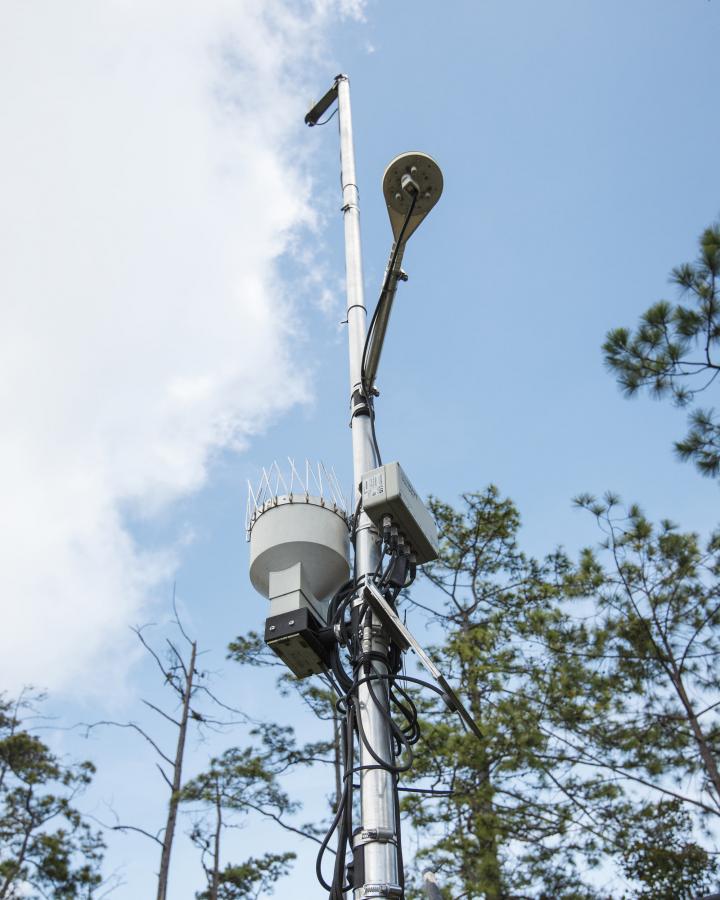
(394,730)
(404,732)
(390,566)
(384,289)
(342,820)
(409,712)
(410,678)
(373,435)
(325,121)
(433,792)
(354,520)
(398,838)
(326,840)
(345,823)
(367,388)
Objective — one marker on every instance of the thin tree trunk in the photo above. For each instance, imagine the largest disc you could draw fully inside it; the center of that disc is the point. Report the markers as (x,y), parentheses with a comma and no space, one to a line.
(215,885)
(483,819)
(17,864)
(705,752)
(177,780)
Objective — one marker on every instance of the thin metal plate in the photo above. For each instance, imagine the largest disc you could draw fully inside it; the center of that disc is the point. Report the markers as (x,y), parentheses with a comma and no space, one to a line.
(403,638)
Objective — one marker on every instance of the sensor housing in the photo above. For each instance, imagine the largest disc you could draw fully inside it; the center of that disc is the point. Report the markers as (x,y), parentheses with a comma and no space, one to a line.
(387,491)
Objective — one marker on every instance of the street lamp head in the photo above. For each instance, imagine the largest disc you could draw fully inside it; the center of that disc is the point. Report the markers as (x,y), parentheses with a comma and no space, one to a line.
(411,175)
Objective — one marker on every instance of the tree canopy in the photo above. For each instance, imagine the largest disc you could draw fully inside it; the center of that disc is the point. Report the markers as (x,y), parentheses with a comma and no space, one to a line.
(673,351)
(47,847)
(594,684)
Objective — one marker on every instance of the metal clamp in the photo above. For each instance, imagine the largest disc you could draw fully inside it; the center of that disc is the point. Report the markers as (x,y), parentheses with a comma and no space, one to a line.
(359,405)
(379,890)
(374,836)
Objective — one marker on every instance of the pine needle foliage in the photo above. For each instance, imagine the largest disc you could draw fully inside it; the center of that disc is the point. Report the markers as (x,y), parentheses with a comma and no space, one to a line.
(524,819)
(657,592)
(236,784)
(663,859)
(47,848)
(673,352)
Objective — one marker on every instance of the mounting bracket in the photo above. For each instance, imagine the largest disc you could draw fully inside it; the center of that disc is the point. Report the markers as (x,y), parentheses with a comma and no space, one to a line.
(403,638)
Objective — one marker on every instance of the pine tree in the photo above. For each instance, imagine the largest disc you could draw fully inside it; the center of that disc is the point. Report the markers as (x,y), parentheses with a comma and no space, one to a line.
(251,650)
(657,637)
(671,353)
(522,816)
(47,848)
(662,857)
(236,784)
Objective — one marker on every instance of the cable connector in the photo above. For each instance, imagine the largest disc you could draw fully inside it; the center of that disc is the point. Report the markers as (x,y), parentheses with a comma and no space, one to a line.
(397,576)
(394,537)
(409,185)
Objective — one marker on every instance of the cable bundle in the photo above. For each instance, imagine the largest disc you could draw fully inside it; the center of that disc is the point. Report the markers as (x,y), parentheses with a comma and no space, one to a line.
(349,620)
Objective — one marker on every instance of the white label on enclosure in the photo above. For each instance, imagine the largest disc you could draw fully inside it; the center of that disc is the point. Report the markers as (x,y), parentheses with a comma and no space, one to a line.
(374,485)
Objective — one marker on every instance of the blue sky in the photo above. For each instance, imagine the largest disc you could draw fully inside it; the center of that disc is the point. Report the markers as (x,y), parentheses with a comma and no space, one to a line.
(578,142)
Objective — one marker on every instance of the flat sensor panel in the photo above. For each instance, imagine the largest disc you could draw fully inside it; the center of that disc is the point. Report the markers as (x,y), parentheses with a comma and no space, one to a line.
(403,637)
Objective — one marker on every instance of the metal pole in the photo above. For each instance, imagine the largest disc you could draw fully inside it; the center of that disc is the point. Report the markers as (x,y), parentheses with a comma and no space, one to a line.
(376,834)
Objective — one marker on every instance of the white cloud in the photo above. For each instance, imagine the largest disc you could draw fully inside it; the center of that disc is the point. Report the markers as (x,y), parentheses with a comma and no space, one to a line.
(145,199)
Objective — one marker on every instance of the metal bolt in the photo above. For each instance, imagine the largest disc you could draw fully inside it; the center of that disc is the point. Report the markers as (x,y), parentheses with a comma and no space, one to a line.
(291,621)
(271,628)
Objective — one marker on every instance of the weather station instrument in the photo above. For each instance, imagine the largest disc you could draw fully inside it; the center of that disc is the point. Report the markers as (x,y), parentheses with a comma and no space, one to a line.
(333,612)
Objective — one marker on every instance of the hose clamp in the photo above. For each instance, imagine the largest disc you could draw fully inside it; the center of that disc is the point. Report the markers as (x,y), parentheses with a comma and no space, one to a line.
(379,890)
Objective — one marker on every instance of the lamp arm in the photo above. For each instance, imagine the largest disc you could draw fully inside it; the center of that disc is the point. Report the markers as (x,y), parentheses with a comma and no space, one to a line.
(385,302)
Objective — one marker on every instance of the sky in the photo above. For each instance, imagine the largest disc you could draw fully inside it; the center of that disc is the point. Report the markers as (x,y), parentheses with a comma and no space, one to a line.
(172,282)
